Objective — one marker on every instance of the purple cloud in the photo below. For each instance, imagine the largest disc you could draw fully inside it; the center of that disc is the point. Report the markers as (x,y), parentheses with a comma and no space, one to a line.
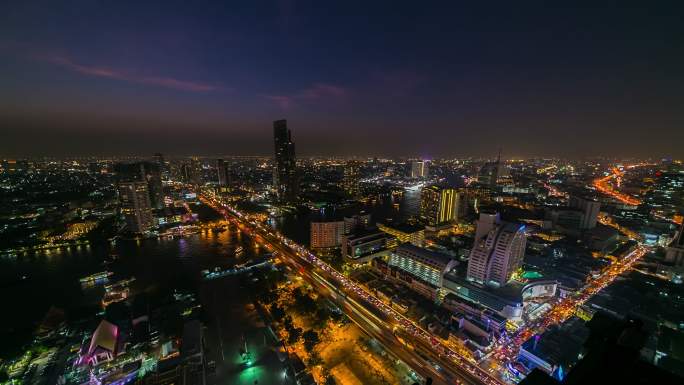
(284,102)
(110,73)
(314,93)
(399,83)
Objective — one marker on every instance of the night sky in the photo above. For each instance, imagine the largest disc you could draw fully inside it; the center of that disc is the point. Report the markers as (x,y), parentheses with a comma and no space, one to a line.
(352,78)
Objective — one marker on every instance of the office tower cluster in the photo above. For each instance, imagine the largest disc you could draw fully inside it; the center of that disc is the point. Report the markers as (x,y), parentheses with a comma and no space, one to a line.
(285,176)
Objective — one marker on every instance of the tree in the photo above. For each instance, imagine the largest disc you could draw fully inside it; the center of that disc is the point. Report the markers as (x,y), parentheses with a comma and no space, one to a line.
(287,322)
(304,302)
(336,316)
(294,336)
(268,295)
(310,340)
(273,277)
(277,312)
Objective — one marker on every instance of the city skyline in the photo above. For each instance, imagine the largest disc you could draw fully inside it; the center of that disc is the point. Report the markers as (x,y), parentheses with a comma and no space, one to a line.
(435,82)
(341,193)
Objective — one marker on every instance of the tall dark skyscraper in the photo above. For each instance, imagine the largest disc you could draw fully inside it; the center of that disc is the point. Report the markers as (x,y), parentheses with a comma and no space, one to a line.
(158,158)
(490,172)
(350,181)
(285,178)
(135,205)
(223,172)
(147,172)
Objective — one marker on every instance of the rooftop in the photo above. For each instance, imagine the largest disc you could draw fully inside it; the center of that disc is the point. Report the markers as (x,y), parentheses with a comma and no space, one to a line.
(436,257)
(104,337)
(404,227)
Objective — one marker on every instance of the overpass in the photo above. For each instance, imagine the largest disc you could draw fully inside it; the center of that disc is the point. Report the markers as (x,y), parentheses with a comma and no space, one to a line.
(427,355)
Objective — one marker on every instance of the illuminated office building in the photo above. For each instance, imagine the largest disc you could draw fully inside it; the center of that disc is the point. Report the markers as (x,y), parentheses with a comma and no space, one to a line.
(439,205)
(350,181)
(148,172)
(423,264)
(326,234)
(405,232)
(135,206)
(420,169)
(497,252)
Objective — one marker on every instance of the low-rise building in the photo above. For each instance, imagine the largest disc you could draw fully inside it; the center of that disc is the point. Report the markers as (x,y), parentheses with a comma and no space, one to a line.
(557,350)
(506,302)
(427,265)
(405,232)
(362,247)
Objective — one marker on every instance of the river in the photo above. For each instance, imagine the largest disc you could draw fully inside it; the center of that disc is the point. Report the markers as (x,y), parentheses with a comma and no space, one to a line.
(31,283)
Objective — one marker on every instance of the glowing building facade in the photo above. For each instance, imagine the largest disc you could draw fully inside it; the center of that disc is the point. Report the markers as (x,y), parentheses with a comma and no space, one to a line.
(420,169)
(351,178)
(498,251)
(326,234)
(439,205)
(424,264)
(135,206)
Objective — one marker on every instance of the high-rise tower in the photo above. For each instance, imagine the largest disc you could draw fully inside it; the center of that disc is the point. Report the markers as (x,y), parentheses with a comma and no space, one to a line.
(438,205)
(498,251)
(490,172)
(135,206)
(420,169)
(351,178)
(223,172)
(285,178)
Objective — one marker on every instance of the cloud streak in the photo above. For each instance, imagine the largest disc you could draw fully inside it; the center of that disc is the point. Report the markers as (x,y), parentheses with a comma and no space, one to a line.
(314,93)
(109,73)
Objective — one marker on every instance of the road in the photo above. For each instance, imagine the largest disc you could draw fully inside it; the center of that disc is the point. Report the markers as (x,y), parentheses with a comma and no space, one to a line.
(604,186)
(383,319)
(376,324)
(565,308)
(424,352)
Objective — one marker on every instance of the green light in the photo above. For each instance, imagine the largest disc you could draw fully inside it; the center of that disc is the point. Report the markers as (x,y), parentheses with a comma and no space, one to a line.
(532,275)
